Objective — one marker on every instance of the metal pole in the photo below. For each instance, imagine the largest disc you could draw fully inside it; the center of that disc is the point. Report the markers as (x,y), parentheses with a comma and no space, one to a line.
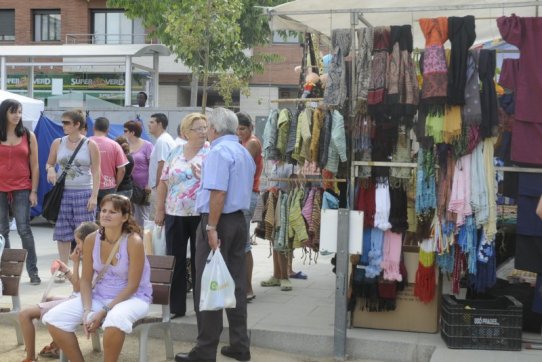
(341,285)
(353,97)
(128,82)
(3,74)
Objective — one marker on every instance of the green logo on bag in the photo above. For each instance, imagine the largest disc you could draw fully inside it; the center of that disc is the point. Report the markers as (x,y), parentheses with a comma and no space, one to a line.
(214,286)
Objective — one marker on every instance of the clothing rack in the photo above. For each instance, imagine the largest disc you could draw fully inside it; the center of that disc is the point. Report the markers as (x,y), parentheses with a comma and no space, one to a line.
(295,100)
(414,165)
(305,179)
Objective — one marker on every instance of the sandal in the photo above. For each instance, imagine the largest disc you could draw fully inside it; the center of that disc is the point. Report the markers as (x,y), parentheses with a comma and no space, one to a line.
(285,285)
(271,282)
(50,351)
(298,275)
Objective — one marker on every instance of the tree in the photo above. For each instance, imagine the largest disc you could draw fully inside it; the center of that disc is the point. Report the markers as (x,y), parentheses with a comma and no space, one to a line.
(209,36)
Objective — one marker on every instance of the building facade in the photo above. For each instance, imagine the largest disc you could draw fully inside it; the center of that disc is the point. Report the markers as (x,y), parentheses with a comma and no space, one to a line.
(92,22)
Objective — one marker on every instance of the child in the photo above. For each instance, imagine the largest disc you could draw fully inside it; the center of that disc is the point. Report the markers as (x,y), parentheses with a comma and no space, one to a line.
(27,316)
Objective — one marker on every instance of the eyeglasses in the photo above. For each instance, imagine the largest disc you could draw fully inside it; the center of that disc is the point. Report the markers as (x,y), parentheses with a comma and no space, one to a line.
(66,123)
(199,129)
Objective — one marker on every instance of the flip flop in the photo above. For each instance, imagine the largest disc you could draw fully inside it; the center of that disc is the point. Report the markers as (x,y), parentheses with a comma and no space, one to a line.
(298,275)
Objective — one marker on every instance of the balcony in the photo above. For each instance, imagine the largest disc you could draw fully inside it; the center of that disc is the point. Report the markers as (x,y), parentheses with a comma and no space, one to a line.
(109,39)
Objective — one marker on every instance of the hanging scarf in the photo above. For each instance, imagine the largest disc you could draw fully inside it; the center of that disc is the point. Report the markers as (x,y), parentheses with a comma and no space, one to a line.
(445,260)
(425,285)
(459,267)
(490,228)
(377,81)
(363,60)
(486,272)
(446,173)
(435,71)
(472,111)
(383,204)
(434,126)
(462,35)
(452,124)
(488,95)
(398,210)
(399,176)
(335,91)
(391,256)
(375,255)
(425,184)
(460,197)
(479,192)
(366,203)
(403,94)
(467,239)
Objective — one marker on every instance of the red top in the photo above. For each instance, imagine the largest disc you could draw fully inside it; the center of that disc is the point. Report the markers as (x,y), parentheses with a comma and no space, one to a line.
(259,163)
(15,166)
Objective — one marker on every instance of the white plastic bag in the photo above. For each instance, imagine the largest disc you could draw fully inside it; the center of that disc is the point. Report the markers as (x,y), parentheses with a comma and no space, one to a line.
(159,240)
(217,285)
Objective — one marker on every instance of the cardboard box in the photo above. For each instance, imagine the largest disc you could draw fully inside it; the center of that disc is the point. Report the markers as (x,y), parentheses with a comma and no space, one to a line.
(411,314)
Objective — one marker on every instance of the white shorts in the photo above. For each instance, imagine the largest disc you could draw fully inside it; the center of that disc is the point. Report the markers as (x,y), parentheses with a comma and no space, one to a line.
(68,316)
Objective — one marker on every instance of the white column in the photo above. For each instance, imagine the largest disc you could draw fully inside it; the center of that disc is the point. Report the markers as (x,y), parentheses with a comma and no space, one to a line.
(128,82)
(31,80)
(3,74)
(155,79)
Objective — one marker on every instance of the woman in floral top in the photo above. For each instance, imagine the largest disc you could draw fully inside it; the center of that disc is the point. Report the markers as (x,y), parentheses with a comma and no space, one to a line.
(176,203)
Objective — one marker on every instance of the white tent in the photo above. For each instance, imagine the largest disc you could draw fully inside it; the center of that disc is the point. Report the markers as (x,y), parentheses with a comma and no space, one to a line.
(32,108)
(322,16)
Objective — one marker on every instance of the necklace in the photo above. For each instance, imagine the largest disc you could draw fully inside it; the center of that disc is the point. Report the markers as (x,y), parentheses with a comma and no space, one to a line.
(112,241)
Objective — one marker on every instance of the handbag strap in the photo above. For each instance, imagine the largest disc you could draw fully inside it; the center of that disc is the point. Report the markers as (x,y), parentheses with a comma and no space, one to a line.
(106,265)
(69,164)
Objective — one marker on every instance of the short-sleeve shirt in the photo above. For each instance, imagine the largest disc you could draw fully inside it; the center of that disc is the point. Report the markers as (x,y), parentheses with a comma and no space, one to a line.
(182,184)
(142,158)
(111,158)
(163,146)
(228,167)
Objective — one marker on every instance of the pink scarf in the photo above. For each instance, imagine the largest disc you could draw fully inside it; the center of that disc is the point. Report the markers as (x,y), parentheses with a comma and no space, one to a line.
(460,197)
(392,256)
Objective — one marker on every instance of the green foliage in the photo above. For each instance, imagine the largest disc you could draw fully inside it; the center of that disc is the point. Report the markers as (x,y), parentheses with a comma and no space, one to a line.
(219,31)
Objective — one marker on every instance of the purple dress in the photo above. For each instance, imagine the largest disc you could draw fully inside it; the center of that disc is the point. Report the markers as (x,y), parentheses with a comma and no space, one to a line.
(140,174)
(115,278)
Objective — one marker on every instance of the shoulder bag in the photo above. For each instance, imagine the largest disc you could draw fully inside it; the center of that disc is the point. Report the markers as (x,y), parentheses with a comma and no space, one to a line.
(52,199)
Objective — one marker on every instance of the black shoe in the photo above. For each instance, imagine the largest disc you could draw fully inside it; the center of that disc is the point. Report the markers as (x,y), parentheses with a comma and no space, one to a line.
(192,356)
(239,356)
(176,315)
(35,279)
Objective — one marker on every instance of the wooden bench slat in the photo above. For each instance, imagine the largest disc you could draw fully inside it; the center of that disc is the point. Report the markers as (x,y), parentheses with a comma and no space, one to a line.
(161,276)
(160,294)
(8,268)
(11,285)
(14,255)
(161,261)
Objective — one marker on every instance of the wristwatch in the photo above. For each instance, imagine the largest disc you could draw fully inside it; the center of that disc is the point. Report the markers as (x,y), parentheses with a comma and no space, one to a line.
(210,227)
(106,308)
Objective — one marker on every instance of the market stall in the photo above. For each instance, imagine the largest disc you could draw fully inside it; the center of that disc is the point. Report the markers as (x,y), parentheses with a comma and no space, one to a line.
(428,128)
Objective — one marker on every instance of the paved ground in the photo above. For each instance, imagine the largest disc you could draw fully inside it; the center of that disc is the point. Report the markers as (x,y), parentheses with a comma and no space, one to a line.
(284,326)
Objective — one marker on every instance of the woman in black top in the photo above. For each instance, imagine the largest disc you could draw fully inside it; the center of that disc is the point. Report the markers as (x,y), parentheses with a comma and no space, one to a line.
(126,185)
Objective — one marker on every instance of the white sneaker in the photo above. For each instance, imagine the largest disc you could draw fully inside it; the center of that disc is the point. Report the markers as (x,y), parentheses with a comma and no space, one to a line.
(13,225)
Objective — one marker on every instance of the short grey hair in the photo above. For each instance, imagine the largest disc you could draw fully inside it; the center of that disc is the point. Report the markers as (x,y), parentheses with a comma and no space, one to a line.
(223,121)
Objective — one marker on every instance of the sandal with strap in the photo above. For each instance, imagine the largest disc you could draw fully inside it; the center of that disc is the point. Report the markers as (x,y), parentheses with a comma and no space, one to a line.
(271,282)
(50,351)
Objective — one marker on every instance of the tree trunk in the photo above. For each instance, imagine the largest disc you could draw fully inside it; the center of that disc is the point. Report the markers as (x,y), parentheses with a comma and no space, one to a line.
(194,89)
(206,59)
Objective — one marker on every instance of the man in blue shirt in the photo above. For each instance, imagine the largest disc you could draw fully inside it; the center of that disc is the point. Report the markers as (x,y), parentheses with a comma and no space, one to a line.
(227,176)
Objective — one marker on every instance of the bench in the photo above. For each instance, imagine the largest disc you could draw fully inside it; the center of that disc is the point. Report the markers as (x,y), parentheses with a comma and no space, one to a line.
(11,268)
(161,275)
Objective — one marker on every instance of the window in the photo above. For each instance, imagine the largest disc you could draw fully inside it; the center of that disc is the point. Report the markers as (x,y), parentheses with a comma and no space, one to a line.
(46,25)
(286,37)
(7,25)
(114,27)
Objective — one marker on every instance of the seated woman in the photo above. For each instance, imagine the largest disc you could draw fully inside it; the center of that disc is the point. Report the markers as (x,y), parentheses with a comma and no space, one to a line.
(121,292)
(27,316)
